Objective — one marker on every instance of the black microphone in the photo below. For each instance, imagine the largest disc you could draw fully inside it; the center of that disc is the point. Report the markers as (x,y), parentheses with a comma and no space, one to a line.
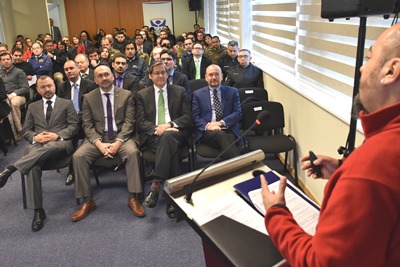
(262,116)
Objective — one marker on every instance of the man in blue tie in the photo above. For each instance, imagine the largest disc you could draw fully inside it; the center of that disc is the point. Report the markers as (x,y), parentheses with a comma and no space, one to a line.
(74,88)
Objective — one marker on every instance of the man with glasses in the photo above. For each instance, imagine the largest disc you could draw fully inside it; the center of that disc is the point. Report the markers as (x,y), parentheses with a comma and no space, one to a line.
(168,57)
(245,74)
(230,59)
(164,120)
(195,66)
(108,120)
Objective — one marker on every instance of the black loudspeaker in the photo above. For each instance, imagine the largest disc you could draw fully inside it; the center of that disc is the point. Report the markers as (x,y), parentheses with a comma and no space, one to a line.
(194,5)
(333,9)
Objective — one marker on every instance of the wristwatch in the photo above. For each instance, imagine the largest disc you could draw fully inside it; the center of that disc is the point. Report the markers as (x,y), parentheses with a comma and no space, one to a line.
(171,124)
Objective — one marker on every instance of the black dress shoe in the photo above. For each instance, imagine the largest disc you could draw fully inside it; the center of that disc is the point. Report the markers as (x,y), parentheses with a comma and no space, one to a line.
(151,198)
(4,175)
(171,211)
(69,180)
(38,220)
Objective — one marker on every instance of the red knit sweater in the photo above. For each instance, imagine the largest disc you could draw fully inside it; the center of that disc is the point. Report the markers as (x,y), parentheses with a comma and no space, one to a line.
(359,224)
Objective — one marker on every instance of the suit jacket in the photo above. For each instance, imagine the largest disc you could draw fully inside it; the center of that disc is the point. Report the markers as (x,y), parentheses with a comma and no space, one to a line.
(178,106)
(64,90)
(189,67)
(131,83)
(56,34)
(181,80)
(88,45)
(202,110)
(90,76)
(63,121)
(93,119)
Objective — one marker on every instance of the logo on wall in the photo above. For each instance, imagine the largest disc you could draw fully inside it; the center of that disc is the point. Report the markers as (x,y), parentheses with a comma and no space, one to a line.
(158,23)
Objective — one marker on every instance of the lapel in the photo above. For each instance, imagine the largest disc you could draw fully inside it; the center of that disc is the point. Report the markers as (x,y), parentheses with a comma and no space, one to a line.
(99,103)
(55,110)
(223,97)
(170,99)
(207,98)
(117,100)
(150,106)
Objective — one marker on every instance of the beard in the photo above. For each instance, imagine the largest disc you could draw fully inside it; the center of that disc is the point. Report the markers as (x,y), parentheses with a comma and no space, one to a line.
(357,107)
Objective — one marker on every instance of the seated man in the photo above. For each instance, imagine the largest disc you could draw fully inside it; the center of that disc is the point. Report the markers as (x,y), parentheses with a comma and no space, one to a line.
(245,74)
(17,88)
(108,120)
(122,78)
(163,120)
(230,59)
(195,67)
(216,113)
(137,66)
(174,77)
(50,125)
(83,65)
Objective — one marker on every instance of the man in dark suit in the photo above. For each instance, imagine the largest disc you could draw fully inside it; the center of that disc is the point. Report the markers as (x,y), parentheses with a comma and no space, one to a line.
(195,67)
(58,59)
(83,65)
(163,119)
(122,78)
(50,125)
(55,31)
(168,57)
(108,119)
(84,39)
(217,113)
(188,43)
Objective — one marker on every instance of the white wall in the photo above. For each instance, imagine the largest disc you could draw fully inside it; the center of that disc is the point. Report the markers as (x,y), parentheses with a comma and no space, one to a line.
(313,128)
(183,18)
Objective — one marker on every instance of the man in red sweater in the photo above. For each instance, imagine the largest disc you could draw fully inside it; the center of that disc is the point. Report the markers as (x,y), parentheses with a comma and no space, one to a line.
(359,223)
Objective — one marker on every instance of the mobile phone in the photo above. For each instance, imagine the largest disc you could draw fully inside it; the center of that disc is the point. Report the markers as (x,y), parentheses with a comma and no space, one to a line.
(315,168)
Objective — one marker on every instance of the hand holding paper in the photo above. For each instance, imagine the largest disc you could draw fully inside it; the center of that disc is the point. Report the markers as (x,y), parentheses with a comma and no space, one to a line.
(271,198)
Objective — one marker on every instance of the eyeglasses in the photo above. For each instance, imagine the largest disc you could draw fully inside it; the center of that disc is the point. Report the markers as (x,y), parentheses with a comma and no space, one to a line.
(243,56)
(167,59)
(156,73)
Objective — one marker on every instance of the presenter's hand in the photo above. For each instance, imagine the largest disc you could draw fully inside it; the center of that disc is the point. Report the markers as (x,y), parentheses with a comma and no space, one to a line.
(271,198)
(328,166)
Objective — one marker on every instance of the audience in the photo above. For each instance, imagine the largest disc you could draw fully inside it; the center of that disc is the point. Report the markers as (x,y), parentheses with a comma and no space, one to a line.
(195,67)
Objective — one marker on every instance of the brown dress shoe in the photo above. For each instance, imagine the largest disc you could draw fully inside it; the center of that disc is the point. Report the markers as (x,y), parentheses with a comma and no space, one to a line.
(136,208)
(83,211)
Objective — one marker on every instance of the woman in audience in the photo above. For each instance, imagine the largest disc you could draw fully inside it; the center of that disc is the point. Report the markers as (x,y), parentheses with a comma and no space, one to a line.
(98,36)
(152,36)
(28,48)
(104,56)
(78,44)
(19,45)
(207,42)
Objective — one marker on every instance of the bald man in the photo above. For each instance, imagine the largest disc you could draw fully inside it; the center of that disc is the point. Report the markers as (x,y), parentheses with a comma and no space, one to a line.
(359,219)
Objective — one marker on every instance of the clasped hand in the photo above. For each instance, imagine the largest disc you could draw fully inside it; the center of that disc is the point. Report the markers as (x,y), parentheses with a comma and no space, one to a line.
(45,137)
(160,129)
(213,126)
(108,149)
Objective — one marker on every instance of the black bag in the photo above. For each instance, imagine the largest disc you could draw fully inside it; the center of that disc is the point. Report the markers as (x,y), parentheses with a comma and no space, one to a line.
(5,109)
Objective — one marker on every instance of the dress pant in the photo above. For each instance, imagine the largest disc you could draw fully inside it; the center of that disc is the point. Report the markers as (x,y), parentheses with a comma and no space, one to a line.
(221,140)
(168,153)
(16,102)
(88,153)
(31,165)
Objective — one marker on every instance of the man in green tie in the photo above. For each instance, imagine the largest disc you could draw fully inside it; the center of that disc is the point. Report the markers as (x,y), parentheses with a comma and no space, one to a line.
(195,66)
(164,119)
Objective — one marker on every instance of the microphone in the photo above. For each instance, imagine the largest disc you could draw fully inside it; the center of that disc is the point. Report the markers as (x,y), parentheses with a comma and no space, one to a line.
(262,116)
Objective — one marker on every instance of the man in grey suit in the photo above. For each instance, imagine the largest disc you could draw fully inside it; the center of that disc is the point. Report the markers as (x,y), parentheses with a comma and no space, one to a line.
(164,119)
(108,120)
(49,127)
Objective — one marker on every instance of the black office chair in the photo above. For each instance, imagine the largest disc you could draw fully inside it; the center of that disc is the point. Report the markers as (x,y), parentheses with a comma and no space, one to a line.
(268,136)
(52,164)
(197,84)
(252,93)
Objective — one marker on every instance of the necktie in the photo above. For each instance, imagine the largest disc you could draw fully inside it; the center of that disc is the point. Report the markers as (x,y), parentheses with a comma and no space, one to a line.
(161,108)
(169,79)
(197,62)
(217,106)
(119,81)
(75,100)
(110,127)
(49,110)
